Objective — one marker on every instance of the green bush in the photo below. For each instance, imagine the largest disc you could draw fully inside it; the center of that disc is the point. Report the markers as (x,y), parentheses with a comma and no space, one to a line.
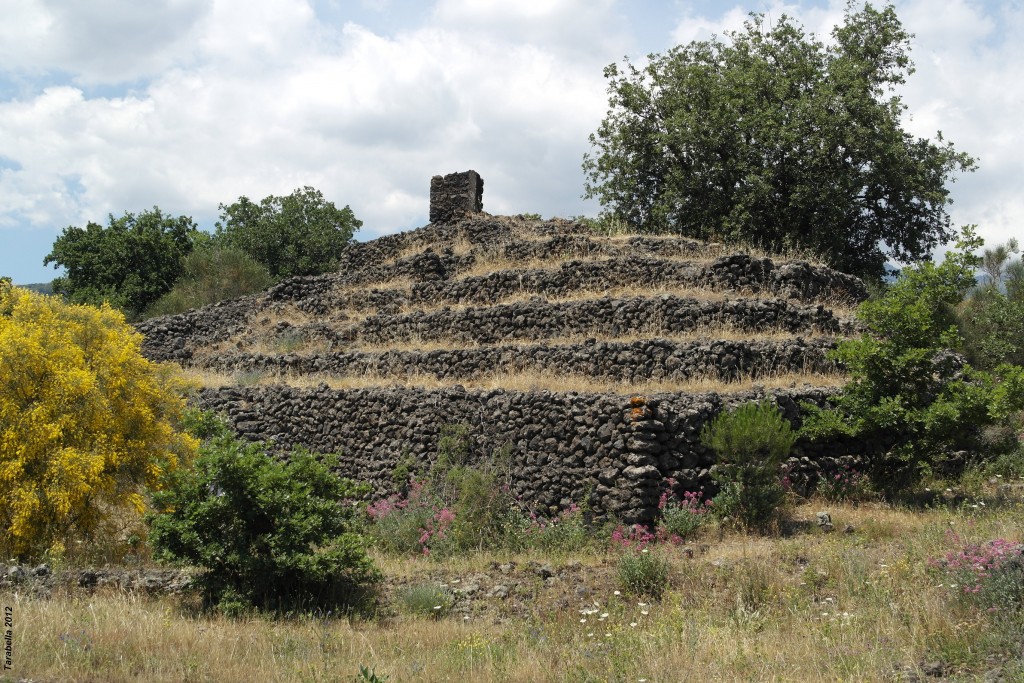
(683,518)
(459,505)
(992,325)
(269,534)
(470,506)
(643,573)
(483,511)
(130,263)
(751,442)
(906,389)
(211,273)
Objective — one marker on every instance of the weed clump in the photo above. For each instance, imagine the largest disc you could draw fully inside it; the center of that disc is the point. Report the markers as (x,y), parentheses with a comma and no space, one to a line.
(426,600)
(643,573)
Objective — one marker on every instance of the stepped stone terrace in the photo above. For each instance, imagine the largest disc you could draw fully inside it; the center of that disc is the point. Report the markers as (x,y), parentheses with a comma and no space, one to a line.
(594,358)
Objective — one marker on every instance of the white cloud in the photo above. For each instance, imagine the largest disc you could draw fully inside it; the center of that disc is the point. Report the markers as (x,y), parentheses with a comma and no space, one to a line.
(582,27)
(967,85)
(100,41)
(817,20)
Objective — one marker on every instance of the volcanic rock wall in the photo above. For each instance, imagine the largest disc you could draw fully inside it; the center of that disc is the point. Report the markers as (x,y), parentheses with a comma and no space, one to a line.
(618,450)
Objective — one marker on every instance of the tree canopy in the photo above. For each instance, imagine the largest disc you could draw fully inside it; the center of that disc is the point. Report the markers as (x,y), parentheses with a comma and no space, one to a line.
(773,137)
(211,273)
(300,234)
(130,263)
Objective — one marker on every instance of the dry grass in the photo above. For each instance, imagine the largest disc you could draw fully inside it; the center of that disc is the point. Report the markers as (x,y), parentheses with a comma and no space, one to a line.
(811,607)
(520,381)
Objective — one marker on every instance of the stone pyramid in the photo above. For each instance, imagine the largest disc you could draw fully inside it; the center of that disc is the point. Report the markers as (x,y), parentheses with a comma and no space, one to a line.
(593,360)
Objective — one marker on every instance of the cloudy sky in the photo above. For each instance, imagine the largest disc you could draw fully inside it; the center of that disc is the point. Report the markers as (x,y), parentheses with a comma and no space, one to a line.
(118,105)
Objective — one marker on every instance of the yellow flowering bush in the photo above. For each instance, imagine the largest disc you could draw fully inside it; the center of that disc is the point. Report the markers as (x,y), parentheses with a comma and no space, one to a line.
(86,423)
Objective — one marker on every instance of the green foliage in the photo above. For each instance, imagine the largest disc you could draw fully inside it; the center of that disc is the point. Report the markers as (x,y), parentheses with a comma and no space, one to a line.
(774,138)
(478,495)
(564,533)
(211,273)
(682,519)
(991,320)
(130,264)
(270,534)
(846,485)
(988,575)
(462,505)
(370,676)
(992,325)
(426,600)
(643,573)
(905,387)
(751,442)
(300,234)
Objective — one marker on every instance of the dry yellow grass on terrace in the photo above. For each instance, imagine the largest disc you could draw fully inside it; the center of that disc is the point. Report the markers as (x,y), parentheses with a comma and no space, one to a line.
(519,381)
(491,256)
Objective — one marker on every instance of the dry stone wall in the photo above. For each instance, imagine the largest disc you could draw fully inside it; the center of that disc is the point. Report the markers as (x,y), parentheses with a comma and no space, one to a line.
(627,362)
(566,446)
(427,259)
(538,319)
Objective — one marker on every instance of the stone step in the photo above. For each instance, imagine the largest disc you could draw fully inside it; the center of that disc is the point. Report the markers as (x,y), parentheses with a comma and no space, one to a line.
(538,320)
(629,362)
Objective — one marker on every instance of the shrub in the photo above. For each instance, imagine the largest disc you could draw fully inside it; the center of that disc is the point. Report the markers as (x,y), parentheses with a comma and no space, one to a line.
(1006,465)
(454,508)
(212,273)
(400,522)
(643,573)
(751,443)
(86,423)
(566,532)
(906,389)
(129,264)
(989,575)
(269,534)
(846,485)
(299,234)
(681,518)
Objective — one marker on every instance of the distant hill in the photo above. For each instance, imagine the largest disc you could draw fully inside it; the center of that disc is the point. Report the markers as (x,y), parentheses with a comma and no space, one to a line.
(41,287)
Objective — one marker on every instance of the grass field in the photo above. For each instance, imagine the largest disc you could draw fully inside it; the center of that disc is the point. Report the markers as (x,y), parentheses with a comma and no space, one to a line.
(863,603)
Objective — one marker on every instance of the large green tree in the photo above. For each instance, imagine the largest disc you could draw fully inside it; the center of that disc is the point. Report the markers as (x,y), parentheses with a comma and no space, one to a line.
(300,234)
(773,137)
(130,263)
